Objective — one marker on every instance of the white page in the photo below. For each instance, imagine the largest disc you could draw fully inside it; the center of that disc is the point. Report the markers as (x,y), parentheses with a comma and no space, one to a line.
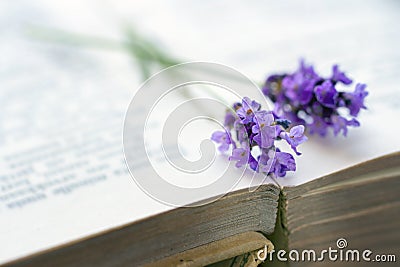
(57,98)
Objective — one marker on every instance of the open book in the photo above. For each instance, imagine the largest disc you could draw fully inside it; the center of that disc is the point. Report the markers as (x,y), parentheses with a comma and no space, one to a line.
(67,198)
(73,201)
(359,204)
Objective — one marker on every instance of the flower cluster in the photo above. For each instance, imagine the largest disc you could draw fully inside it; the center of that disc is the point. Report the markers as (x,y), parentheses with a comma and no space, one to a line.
(306,98)
(255,132)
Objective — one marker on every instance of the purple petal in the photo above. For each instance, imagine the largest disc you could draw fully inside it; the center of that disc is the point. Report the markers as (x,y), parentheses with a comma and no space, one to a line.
(326,94)
(297,131)
(340,76)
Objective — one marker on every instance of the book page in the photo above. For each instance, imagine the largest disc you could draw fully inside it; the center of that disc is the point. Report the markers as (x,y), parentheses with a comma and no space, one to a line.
(62,169)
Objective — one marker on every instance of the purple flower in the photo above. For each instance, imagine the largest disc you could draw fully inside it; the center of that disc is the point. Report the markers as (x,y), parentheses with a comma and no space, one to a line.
(283,162)
(246,112)
(355,100)
(253,163)
(236,106)
(318,126)
(298,87)
(265,133)
(276,162)
(229,119)
(339,76)
(241,155)
(265,160)
(222,138)
(295,137)
(340,124)
(252,128)
(241,131)
(272,86)
(326,94)
(305,94)
(306,98)
(308,71)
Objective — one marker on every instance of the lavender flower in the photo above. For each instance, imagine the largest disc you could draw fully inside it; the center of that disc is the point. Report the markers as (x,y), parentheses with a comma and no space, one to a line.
(241,156)
(338,76)
(247,109)
(326,94)
(340,124)
(355,100)
(253,127)
(223,139)
(263,129)
(295,137)
(306,98)
(282,162)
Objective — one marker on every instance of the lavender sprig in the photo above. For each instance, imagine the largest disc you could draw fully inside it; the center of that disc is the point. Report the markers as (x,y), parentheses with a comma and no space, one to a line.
(252,132)
(306,98)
